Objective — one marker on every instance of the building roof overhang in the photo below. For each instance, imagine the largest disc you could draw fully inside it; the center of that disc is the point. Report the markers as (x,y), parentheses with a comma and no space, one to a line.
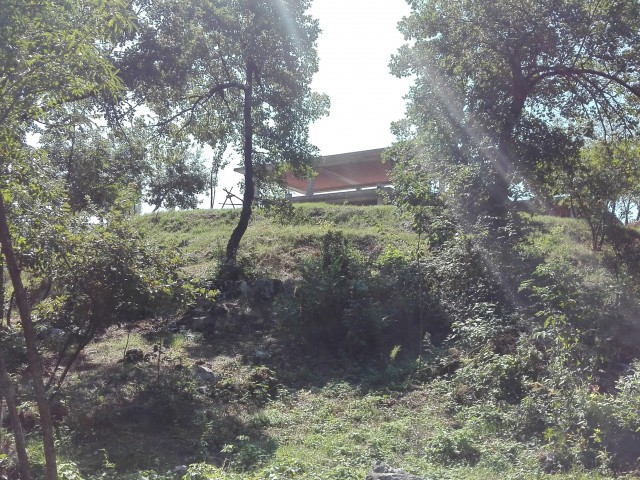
(345,171)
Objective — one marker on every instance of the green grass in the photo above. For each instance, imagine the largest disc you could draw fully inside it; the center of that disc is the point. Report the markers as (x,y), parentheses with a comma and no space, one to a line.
(273,245)
(308,415)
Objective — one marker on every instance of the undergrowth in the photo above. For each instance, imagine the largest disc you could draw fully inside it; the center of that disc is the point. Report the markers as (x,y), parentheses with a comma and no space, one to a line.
(435,361)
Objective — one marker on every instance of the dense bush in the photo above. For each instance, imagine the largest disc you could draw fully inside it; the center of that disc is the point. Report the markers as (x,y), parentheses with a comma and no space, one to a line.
(548,365)
(356,304)
(337,303)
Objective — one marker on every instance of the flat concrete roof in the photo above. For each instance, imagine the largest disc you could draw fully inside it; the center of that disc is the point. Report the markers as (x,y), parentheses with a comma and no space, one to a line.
(345,171)
(367,196)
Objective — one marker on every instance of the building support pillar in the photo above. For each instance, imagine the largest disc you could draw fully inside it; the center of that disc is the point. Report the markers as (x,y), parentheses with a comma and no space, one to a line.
(309,187)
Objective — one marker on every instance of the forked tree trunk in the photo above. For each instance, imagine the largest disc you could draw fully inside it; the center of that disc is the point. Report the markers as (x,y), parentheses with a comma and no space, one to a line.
(9,393)
(249,192)
(29,333)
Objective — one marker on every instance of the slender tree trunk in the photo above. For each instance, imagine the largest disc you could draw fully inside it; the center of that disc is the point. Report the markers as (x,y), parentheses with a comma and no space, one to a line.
(81,346)
(9,393)
(502,158)
(249,193)
(9,308)
(29,333)
(626,209)
(61,355)
(2,289)
(214,184)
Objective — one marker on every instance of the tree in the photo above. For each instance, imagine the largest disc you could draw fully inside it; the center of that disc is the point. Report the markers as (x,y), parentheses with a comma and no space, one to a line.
(597,179)
(504,88)
(9,393)
(105,273)
(233,72)
(97,163)
(50,54)
(176,174)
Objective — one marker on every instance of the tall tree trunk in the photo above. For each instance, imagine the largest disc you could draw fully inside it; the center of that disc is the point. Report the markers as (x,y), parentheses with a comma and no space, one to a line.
(29,333)
(2,290)
(9,393)
(502,159)
(249,186)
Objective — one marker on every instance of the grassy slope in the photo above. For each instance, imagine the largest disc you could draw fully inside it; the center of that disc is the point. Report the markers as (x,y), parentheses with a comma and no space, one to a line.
(305,416)
(273,244)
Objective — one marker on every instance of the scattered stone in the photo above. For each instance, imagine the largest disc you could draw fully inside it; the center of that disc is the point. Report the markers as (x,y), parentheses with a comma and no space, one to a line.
(384,472)
(263,289)
(260,357)
(200,318)
(203,323)
(203,390)
(180,470)
(134,355)
(230,289)
(205,374)
(267,289)
(220,310)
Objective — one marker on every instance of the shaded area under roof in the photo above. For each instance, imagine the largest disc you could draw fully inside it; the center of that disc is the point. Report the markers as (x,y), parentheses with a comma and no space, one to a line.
(344,171)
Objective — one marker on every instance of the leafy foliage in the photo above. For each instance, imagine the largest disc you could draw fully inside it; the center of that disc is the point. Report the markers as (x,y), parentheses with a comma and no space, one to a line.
(51,55)
(597,180)
(233,73)
(499,97)
(177,176)
(94,163)
(417,195)
(363,307)
(336,305)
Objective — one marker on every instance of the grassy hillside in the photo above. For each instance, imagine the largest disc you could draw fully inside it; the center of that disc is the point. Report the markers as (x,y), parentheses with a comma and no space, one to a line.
(275,241)
(323,382)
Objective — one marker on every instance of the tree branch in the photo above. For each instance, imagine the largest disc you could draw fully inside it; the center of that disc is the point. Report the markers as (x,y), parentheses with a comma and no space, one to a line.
(561,70)
(199,99)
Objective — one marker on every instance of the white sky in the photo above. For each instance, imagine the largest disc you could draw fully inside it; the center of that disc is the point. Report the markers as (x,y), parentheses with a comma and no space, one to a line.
(357,40)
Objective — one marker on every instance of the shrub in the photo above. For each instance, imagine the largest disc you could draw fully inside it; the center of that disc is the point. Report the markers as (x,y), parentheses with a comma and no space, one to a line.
(451,447)
(336,304)
(106,273)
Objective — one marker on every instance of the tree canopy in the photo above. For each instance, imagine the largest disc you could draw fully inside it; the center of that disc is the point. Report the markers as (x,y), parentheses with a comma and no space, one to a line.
(503,88)
(51,53)
(214,72)
(231,72)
